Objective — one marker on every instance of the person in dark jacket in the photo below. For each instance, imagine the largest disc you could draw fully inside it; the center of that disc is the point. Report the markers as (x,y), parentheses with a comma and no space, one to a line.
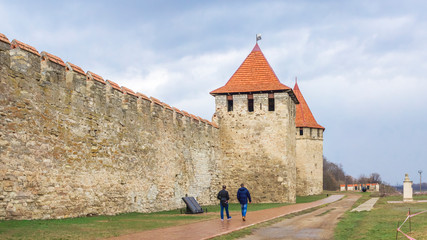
(223,198)
(243,195)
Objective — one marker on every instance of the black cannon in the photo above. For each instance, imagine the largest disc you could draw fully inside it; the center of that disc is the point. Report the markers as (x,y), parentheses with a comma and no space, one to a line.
(192,205)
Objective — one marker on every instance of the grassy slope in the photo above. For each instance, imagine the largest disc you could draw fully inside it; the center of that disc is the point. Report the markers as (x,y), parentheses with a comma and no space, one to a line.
(381,222)
(92,227)
(107,226)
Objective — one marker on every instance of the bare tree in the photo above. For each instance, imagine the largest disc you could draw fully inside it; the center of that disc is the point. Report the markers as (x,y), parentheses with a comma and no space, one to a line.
(349,179)
(363,179)
(375,178)
(333,175)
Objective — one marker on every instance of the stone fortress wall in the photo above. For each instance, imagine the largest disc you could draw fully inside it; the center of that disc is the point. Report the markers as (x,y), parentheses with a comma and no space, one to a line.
(72,144)
(309,161)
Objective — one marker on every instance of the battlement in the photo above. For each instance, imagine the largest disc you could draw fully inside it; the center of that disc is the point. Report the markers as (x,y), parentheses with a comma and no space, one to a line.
(309,133)
(256,103)
(48,62)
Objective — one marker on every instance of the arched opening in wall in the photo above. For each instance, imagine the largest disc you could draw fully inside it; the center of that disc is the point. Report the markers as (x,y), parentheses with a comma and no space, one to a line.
(230,103)
(250,102)
(271,102)
(301,131)
(134,199)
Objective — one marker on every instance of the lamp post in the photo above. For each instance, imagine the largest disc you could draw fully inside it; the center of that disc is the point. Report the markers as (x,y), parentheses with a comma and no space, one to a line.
(420,172)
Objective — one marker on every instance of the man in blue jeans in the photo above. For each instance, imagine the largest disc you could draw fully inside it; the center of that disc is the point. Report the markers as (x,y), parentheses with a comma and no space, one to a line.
(243,195)
(223,197)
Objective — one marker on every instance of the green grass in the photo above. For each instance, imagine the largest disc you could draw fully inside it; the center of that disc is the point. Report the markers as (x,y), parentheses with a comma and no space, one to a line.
(312,198)
(399,197)
(92,227)
(109,226)
(365,196)
(381,222)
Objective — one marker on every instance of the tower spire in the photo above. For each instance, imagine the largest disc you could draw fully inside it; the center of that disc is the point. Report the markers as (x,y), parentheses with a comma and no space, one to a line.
(304,117)
(254,75)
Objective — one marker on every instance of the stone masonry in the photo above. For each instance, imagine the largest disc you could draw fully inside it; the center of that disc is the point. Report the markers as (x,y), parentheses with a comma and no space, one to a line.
(258,147)
(73,144)
(309,149)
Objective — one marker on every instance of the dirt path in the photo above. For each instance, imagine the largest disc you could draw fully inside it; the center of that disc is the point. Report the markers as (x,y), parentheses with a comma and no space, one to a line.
(211,228)
(319,224)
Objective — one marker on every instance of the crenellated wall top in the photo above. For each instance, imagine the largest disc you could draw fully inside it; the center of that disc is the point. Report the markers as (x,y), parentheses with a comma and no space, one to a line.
(71,68)
(50,57)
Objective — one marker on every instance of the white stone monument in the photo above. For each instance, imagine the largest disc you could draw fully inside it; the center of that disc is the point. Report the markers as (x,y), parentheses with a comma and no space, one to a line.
(377,187)
(407,189)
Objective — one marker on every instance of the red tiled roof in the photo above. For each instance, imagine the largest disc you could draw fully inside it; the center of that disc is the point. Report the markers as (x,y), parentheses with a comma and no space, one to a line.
(214,125)
(156,101)
(186,113)
(304,117)
(142,96)
(115,85)
(52,58)
(3,38)
(254,75)
(194,117)
(75,68)
(129,91)
(95,77)
(23,46)
(177,110)
(167,106)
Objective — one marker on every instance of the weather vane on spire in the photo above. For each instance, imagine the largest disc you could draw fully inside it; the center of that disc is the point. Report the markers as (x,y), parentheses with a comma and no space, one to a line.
(258,37)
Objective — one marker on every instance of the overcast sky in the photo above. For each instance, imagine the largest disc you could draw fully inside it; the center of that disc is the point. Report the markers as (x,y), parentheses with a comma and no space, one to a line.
(361,65)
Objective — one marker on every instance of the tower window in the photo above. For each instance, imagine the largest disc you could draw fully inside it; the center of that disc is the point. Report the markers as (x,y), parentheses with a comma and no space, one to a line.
(250,102)
(271,102)
(301,131)
(230,103)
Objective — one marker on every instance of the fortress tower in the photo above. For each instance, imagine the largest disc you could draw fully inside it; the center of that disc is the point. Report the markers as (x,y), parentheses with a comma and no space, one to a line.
(255,113)
(309,149)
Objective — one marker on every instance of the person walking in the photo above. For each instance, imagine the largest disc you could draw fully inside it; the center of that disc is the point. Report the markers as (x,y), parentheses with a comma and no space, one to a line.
(243,195)
(223,198)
